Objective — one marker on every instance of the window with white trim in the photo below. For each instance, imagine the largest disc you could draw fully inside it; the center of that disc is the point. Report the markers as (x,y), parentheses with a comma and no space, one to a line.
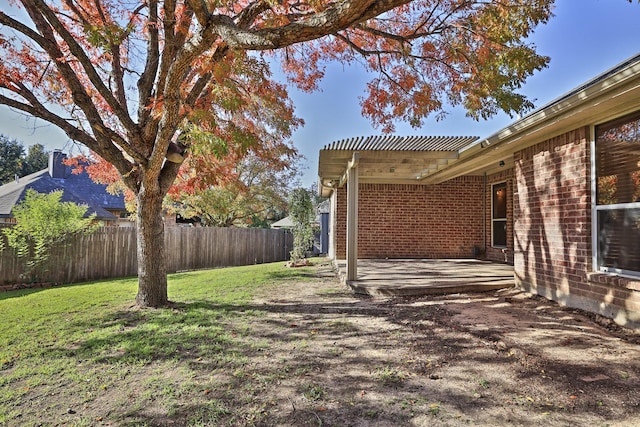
(499,215)
(617,208)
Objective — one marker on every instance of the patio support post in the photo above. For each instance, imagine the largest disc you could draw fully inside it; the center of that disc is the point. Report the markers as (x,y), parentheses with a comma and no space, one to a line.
(352,218)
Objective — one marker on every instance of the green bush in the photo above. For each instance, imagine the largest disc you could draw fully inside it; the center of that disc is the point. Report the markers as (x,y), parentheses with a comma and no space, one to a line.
(302,213)
(43,221)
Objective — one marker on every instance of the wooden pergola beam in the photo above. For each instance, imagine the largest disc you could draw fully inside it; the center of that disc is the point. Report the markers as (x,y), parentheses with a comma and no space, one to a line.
(351,178)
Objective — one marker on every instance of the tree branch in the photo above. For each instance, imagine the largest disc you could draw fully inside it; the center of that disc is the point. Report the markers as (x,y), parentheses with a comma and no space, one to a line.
(200,10)
(46,40)
(36,109)
(145,83)
(44,12)
(246,17)
(341,14)
(172,72)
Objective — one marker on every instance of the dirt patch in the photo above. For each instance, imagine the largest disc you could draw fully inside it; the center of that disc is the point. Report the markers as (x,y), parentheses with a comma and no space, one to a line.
(497,358)
(308,352)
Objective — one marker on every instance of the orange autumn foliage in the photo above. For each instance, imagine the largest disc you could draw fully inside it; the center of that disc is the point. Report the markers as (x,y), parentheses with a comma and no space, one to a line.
(132,79)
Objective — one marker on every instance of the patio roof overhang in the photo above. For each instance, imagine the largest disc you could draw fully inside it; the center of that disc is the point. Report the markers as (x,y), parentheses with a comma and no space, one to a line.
(431,160)
(387,159)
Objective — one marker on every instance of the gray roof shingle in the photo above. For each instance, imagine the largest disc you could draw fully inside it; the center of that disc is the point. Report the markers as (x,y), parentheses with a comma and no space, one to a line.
(76,188)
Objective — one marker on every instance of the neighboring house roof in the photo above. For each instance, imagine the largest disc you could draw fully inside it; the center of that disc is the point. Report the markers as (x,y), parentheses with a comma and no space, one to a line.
(418,160)
(283,223)
(11,193)
(76,188)
(287,222)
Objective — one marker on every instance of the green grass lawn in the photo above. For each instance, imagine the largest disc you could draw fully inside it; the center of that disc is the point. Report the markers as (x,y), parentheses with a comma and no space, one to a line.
(86,348)
(273,346)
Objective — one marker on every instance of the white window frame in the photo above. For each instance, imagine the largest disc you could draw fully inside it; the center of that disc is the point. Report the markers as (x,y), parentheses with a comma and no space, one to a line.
(494,220)
(595,209)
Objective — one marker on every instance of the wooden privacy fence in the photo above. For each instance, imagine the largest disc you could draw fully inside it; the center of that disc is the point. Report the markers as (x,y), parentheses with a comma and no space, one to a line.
(111,252)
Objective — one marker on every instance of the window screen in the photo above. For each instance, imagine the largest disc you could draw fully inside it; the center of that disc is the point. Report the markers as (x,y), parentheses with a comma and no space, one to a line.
(617,157)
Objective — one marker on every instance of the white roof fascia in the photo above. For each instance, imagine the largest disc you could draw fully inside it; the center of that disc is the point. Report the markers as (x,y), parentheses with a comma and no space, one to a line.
(565,113)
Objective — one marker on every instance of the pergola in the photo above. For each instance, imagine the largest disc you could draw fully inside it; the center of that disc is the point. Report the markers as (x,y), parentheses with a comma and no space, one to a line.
(430,160)
(382,160)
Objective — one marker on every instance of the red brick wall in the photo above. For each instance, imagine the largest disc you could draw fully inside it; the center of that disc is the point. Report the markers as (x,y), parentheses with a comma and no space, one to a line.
(552,210)
(552,231)
(498,254)
(415,221)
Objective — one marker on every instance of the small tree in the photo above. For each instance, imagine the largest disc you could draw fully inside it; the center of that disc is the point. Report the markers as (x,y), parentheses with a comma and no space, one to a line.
(11,154)
(14,162)
(37,158)
(301,212)
(42,222)
(253,191)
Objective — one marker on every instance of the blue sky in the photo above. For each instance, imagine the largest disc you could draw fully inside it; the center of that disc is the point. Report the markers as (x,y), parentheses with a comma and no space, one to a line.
(583,39)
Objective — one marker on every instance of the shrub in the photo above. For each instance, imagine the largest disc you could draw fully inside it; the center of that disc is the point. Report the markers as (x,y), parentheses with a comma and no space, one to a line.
(302,214)
(43,221)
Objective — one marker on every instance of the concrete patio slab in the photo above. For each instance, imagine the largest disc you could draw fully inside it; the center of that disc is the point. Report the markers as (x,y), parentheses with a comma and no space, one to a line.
(427,276)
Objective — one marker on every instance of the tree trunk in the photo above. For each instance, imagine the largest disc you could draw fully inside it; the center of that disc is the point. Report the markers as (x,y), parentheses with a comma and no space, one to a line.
(152,269)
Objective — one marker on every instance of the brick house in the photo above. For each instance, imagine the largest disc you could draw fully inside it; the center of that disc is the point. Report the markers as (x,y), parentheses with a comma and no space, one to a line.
(556,194)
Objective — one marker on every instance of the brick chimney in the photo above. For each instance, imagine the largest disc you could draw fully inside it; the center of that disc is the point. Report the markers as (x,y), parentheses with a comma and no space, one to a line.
(57,168)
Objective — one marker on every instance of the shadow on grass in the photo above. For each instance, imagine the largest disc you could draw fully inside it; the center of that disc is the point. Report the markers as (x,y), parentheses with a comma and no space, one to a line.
(250,364)
(41,287)
(334,359)
(295,274)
